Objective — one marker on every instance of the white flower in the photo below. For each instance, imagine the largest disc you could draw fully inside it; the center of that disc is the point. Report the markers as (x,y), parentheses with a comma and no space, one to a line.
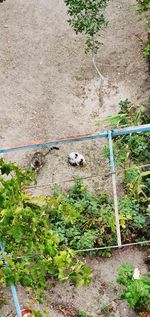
(136,274)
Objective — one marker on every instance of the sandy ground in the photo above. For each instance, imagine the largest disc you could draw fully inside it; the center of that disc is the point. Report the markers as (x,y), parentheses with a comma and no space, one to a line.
(49,88)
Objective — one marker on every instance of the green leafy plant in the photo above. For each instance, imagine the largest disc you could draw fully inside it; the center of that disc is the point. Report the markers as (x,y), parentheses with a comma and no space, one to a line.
(130,150)
(135,181)
(143,6)
(127,116)
(37,313)
(133,147)
(86,16)
(134,219)
(81,313)
(125,274)
(33,248)
(146,51)
(137,291)
(94,224)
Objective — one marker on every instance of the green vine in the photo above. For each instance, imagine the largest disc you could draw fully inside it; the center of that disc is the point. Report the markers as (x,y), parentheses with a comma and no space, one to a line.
(33,248)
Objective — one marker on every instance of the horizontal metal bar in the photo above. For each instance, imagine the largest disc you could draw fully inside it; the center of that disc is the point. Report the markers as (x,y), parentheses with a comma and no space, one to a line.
(129,130)
(76,138)
(114,246)
(93,249)
(51,142)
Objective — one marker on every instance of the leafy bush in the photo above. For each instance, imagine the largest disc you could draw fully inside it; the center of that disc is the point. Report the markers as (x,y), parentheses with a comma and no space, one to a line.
(95,226)
(134,220)
(137,291)
(133,147)
(137,183)
(143,6)
(94,223)
(86,16)
(33,245)
(130,150)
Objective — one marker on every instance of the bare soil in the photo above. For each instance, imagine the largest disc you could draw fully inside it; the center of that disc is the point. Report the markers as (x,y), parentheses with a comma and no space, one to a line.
(50,89)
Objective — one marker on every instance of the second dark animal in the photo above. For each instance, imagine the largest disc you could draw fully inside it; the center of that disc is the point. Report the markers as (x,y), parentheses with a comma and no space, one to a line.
(38,159)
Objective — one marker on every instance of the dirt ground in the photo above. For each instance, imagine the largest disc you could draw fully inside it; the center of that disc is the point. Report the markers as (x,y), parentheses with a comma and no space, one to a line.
(50,89)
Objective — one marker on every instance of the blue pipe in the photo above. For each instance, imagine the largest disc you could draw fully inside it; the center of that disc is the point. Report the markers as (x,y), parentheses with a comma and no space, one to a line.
(51,143)
(16,301)
(114,133)
(12,287)
(128,130)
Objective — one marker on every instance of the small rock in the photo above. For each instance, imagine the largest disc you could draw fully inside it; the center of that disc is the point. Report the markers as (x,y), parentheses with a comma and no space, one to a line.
(136,274)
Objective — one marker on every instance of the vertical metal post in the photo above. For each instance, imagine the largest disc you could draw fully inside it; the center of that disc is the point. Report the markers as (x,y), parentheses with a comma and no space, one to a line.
(12,287)
(112,165)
